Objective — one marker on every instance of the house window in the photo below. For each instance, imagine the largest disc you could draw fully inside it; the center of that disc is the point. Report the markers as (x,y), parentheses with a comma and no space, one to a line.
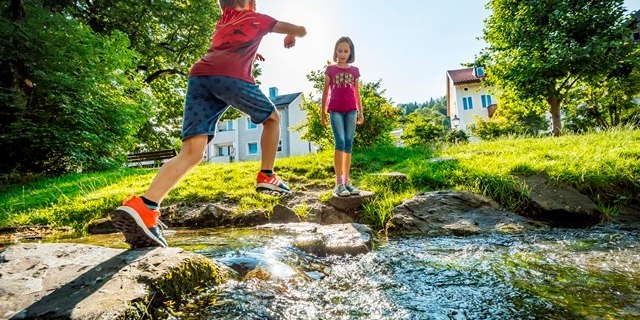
(225,125)
(224,150)
(279,145)
(636,36)
(486,100)
(467,103)
(252,148)
(251,125)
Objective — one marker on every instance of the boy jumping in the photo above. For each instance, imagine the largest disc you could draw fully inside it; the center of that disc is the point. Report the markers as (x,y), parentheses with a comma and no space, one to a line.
(220,79)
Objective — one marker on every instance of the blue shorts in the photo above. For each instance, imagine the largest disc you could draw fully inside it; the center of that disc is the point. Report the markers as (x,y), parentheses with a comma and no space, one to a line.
(208,97)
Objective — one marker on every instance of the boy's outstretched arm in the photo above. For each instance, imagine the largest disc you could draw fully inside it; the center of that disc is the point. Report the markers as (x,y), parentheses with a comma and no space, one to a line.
(291,30)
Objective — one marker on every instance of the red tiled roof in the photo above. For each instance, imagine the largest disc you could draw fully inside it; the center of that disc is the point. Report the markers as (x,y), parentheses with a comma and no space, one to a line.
(463,76)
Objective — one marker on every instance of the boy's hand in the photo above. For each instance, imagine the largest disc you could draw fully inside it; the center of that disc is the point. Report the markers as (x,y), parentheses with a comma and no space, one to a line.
(289,41)
(323,120)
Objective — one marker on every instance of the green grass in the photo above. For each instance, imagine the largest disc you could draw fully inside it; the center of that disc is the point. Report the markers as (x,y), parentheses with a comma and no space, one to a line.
(604,166)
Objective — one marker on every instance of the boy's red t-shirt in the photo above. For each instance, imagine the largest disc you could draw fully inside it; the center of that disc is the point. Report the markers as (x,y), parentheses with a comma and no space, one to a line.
(234,45)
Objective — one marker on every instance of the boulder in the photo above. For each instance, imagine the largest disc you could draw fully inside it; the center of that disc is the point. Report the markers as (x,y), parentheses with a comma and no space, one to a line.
(74,281)
(559,205)
(351,204)
(454,213)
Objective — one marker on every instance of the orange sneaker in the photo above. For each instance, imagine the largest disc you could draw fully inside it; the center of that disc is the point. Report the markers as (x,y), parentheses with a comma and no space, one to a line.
(139,224)
(263,181)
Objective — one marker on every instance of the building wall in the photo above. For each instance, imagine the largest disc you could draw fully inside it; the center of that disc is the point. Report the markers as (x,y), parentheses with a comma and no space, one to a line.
(475,92)
(241,136)
(296,116)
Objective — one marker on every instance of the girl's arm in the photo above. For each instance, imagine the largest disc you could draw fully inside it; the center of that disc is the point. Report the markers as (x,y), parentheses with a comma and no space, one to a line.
(356,92)
(291,30)
(325,96)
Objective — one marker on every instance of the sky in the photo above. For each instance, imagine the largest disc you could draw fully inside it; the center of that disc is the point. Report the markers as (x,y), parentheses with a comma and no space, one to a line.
(409,45)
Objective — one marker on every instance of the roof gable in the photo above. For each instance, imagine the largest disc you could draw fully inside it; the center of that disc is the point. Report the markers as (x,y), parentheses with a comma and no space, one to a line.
(286,99)
(463,76)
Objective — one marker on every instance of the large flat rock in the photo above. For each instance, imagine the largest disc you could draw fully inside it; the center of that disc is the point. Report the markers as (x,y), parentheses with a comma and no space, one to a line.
(336,239)
(74,281)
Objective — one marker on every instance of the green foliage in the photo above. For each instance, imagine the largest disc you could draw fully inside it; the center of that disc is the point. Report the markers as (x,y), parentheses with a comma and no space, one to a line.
(539,49)
(514,116)
(380,117)
(421,129)
(168,37)
(67,103)
(84,83)
(456,136)
(438,105)
(607,101)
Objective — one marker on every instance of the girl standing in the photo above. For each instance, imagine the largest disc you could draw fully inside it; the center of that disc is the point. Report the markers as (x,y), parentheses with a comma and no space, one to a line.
(341,99)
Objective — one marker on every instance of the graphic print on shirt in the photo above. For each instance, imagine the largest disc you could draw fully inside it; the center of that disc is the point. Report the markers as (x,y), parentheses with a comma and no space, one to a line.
(344,80)
(237,28)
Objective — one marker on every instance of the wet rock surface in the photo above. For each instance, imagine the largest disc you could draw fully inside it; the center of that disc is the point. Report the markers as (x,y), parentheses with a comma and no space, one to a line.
(337,239)
(455,213)
(73,281)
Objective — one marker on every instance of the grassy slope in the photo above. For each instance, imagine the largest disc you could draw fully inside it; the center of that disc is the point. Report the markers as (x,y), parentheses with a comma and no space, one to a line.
(605,166)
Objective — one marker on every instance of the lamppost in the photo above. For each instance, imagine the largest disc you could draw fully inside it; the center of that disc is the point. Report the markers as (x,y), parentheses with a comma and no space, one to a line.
(455,122)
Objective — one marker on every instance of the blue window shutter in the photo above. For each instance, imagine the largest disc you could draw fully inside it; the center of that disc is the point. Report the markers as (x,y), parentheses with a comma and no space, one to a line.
(464,103)
(470,103)
(484,100)
(489,100)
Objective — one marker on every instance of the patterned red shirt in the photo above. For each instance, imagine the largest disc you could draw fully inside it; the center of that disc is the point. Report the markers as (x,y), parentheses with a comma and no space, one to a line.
(234,45)
(342,82)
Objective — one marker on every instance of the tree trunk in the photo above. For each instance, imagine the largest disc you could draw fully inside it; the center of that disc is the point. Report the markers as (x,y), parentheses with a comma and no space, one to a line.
(16,10)
(556,124)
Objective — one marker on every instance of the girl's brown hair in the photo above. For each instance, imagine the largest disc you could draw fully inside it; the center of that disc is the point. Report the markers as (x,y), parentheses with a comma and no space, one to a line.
(352,55)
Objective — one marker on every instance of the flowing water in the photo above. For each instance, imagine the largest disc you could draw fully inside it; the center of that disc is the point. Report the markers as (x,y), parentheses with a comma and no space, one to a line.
(556,274)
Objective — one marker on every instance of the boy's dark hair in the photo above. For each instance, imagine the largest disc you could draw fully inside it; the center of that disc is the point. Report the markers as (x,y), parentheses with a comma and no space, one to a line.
(231,3)
(352,55)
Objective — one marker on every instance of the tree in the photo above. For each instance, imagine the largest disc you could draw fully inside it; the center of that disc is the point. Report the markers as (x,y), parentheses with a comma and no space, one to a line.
(380,117)
(66,102)
(607,101)
(540,49)
(167,36)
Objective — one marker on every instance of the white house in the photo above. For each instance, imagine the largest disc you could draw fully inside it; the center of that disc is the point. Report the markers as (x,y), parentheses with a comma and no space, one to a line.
(467,98)
(239,139)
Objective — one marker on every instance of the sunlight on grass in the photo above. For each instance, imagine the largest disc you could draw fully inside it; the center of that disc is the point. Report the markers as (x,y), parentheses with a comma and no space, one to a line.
(604,166)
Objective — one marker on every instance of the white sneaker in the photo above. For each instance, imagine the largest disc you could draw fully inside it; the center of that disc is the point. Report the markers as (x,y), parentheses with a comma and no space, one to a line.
(341,190)
(352,189)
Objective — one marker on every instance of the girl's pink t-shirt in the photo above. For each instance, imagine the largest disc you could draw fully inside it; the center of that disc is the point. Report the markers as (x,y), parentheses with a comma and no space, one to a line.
(342,82)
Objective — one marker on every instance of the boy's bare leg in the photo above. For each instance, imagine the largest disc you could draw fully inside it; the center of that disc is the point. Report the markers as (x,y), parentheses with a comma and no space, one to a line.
(269,140)
(172,171)
(338,161)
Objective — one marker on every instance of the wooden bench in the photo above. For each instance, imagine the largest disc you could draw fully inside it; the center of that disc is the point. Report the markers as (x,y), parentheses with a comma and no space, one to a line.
(151,158)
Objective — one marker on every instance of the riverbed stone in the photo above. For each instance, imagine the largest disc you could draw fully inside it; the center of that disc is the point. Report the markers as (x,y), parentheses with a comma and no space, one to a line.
(560,205)
(322,240)
(457,213)
(351,204)
(75,281)
(283,214)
